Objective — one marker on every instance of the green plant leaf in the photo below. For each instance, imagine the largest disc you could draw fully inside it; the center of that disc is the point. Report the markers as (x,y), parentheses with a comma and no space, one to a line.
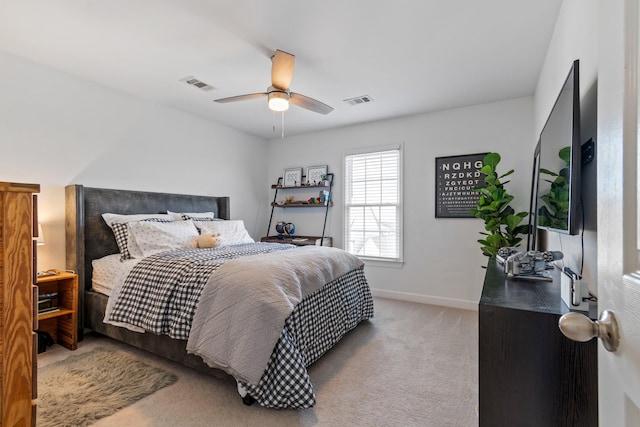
(491,180)
(521,229)
(487,170)
(565,154)
(485,191)
(491,159)
(512,221)
(548,172)
(507,174)
(515,241)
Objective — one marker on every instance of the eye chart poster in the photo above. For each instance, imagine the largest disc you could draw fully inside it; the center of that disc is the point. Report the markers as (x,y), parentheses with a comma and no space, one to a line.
(456,177)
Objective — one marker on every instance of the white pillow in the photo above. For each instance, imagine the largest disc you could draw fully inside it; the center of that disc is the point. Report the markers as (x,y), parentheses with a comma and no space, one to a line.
(232,232)
(118,224)
(111,218)
(154,237)
(196,216)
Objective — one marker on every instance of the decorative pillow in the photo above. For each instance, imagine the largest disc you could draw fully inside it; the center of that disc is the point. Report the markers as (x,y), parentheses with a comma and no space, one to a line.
(121,233)
(154,237)
(195,216)
(118,224)
(232,232)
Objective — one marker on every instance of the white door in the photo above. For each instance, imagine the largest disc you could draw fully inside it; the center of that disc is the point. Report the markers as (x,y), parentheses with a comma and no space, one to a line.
(618,209)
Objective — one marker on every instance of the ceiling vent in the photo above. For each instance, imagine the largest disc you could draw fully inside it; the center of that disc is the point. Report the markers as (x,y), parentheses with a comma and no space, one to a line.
(359,100)
(196,83)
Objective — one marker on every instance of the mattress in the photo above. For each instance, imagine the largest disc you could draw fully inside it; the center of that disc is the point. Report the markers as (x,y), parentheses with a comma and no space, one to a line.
(110,272)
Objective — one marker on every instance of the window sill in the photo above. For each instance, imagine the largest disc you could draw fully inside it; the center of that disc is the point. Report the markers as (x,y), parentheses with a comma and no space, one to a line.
(377,262)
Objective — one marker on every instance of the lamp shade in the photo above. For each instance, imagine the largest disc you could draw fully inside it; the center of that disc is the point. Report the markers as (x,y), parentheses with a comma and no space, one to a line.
(40,239)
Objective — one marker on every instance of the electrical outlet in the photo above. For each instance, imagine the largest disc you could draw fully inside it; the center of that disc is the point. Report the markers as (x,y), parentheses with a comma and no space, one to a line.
(588,151)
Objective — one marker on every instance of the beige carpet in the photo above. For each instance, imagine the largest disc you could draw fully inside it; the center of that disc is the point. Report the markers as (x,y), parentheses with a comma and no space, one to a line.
(412,365)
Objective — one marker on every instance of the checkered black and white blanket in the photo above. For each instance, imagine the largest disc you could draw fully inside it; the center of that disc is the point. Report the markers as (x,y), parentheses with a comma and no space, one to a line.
(162,292)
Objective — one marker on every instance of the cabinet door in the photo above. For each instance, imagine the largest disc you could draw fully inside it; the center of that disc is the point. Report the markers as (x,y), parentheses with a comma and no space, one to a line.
(530,375)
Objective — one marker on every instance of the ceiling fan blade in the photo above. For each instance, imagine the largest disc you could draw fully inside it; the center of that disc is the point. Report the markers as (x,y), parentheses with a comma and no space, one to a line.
(241,97)
(282,69)
(309,103)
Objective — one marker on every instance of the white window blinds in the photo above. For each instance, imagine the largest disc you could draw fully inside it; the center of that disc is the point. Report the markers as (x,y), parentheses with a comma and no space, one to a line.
(373,209)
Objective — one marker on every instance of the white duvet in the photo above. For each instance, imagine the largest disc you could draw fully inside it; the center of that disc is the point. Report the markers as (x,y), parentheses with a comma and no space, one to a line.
(242,310)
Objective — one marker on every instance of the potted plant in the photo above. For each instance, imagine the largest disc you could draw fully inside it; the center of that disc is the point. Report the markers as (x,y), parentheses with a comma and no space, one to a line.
(501,222)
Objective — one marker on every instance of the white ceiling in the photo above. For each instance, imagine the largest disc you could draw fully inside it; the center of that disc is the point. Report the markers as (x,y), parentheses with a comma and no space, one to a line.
(410,56)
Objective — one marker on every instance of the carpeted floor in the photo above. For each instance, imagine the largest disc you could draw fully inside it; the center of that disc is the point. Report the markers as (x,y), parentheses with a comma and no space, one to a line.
(412,365)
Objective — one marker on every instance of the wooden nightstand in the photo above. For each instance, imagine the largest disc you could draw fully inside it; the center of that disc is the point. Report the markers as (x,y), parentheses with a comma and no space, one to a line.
(61,322)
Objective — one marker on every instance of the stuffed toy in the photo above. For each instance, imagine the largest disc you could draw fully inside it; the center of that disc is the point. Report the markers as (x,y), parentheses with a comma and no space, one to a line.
(209,240)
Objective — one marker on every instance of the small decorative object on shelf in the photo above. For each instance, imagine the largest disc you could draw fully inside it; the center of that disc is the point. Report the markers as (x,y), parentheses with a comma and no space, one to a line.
(292,177)
(285,229)
(324,196)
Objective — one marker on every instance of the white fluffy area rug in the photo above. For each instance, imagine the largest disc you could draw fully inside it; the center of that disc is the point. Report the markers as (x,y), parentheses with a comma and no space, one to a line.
(83,388)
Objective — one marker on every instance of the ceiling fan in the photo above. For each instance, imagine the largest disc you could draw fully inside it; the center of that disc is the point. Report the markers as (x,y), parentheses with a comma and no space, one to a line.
(278,94)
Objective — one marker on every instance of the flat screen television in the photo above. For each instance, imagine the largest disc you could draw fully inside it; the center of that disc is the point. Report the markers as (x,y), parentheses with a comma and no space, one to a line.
(559,163)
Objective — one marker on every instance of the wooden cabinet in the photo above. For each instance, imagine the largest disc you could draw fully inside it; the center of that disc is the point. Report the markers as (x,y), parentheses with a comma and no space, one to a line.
(18,225)
(530,374)
(61,319)
(294,193)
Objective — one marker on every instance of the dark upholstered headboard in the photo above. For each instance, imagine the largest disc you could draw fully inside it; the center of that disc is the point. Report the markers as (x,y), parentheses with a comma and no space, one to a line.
(87,235)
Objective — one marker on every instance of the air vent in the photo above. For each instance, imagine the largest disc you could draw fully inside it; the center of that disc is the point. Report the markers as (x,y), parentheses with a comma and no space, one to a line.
(196,83)
(359,100)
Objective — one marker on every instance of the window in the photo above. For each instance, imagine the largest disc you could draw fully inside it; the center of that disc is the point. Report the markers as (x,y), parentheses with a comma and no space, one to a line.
(373,205)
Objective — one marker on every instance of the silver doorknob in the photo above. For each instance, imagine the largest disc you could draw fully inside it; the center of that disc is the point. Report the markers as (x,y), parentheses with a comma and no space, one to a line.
(579,327)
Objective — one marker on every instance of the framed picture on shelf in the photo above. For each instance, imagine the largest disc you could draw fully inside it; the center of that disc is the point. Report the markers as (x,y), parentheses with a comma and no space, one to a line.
(315,174)
(292,177)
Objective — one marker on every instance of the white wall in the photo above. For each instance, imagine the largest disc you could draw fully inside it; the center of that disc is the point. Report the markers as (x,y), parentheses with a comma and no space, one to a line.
(56,130)
(575,37)
(442,258)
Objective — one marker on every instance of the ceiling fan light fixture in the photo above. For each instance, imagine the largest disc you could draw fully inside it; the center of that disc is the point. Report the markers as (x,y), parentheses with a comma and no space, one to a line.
(278,101)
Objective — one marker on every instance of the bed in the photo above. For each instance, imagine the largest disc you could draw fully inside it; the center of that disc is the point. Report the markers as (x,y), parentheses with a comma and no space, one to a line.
(317,320)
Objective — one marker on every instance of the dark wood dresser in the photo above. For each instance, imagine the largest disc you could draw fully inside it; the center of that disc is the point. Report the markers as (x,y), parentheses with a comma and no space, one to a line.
(529,373)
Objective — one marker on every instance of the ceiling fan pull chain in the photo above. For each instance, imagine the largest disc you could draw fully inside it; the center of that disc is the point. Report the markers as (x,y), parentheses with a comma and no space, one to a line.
(283,125)
(274,121)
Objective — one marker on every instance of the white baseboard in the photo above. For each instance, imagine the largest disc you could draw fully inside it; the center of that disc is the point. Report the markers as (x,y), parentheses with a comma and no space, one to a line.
(425,299)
